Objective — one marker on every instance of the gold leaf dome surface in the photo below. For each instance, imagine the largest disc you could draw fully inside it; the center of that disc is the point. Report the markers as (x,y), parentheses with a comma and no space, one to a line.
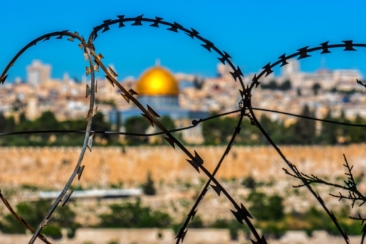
(157,81)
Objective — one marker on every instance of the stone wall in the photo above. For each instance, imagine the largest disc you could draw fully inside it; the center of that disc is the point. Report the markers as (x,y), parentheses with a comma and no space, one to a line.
(52,166)
(166,236)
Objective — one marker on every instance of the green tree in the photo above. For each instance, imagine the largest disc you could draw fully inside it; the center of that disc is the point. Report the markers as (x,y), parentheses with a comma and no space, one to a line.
(17,105)
(136,125)
(264,207)
(47,121)
(10,124)
(71,139)
(149,187)
(258,206)
(196,222)
(33,214)
(7,124)
(167,122)
(198,82)
(275,129)
(133,215)
(304,131)
(99,124)
(272,85)
(357,134)
(22,118)
(316,87)
(249,182)
(298,91)
(275,206)
(285,86)
(329,131)
(218,131)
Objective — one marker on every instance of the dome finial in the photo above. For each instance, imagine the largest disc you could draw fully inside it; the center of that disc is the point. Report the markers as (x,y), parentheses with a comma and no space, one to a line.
(157,62)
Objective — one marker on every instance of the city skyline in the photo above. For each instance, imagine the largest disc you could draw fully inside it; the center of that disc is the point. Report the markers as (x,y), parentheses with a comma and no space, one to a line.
(179,75)
(252,33)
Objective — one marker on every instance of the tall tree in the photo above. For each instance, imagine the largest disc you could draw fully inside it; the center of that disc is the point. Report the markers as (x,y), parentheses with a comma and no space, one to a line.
(198,82)
(99,124)
(285,86)
(316,87)
(149,187)
(329,131)
(304,129)
(357,134)
(217,131)
(167,122)
(136,125)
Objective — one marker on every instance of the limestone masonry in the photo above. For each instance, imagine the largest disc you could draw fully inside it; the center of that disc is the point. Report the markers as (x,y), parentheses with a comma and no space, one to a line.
(51,167)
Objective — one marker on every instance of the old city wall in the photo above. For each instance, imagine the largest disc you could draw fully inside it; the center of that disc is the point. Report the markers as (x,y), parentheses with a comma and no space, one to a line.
(165,236)
(52,166)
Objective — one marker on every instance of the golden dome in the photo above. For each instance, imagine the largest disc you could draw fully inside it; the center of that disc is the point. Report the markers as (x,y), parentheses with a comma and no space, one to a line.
(157,81)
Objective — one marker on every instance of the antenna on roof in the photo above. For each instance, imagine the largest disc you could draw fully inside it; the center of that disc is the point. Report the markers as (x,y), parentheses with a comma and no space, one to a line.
(157,62)
(322,63)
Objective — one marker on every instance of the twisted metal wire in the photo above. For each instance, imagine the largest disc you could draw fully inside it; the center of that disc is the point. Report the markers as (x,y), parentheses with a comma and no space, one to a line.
(63,197)
(241,213)
(267,69)
(245,110)
(78,168)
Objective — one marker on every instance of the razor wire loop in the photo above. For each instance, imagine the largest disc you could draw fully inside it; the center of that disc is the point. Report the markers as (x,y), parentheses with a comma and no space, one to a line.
(302,53)
(267,69)
(196,161)
(62,196)
(224,58)
(241,211)
(58,34)
(149,114)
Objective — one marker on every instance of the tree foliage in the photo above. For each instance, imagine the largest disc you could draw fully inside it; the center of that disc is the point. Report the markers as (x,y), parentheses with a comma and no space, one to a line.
(218,131)
(167,122)
(304,131)
(264,207)
(149,187)
(133,215)
(48,121)
(249,182)
(34,212)
(273,85)
(136,125)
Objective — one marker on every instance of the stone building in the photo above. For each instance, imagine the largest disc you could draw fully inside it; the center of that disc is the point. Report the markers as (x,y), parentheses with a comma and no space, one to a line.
(158,88)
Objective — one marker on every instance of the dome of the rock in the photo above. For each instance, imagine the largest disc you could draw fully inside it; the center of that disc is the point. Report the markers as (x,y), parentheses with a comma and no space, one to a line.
(157,81)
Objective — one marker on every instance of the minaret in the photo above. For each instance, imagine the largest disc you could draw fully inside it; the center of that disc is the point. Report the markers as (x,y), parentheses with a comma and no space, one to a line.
(31,110)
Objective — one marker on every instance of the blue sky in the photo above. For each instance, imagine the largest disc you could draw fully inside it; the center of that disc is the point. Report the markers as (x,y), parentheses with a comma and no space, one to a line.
(252,32)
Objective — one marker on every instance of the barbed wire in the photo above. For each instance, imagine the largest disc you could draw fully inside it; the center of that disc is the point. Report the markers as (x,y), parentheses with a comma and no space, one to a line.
(240,212)
(267,69)
(194,124)
(20,219)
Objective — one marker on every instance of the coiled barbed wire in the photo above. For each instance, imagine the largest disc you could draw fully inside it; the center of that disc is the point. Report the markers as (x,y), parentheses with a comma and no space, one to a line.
(241,213)
(63,196)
